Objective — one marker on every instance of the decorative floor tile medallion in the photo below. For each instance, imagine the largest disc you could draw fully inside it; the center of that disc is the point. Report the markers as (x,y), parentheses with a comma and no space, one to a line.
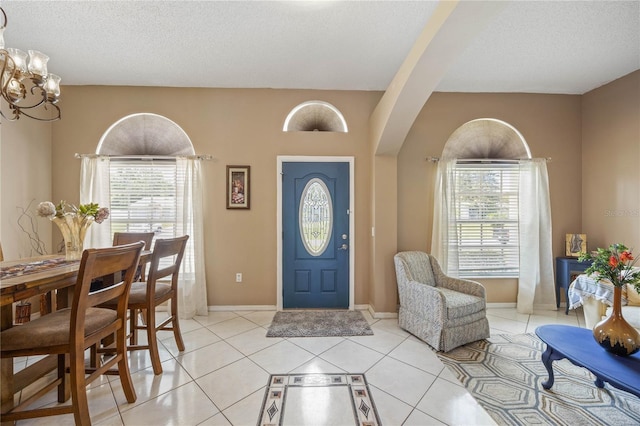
(298,399)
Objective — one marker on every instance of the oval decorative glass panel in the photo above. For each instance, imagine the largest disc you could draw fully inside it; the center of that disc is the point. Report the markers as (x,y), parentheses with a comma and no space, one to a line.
(315,217)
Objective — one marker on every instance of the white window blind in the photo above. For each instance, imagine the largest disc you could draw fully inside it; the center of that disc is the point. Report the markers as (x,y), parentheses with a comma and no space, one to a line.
(484,227)
(143,196)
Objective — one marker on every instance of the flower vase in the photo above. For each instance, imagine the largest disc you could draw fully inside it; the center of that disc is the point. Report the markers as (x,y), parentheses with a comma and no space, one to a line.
(614,333)
(73,229)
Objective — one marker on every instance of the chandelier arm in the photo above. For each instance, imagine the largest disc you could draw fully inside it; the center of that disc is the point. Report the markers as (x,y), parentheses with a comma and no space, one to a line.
(14,118)
(9,73)
(55,118)
(8,66)
(42,93)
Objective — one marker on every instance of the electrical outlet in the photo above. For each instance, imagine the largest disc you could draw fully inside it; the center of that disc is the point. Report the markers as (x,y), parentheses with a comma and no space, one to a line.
(239,277)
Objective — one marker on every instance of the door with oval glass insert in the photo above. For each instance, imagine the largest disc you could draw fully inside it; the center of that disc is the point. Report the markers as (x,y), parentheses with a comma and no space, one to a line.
(315,250)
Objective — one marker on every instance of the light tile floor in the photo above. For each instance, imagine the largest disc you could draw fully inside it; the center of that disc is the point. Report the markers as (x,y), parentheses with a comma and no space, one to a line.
(220,378)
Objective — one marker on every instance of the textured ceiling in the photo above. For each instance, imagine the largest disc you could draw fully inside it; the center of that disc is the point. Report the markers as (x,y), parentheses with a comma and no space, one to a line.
(532,46)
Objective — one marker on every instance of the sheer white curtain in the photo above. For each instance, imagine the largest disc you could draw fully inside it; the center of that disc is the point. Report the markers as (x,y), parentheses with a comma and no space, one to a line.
(444,197)
(192,281)
(95,188)
(535,283)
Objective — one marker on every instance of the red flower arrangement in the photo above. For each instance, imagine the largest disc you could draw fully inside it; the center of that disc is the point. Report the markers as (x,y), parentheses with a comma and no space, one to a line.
(615,264)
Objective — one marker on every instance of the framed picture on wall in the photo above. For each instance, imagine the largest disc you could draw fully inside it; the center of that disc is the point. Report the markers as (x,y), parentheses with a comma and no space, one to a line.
(238,187)
(576,244)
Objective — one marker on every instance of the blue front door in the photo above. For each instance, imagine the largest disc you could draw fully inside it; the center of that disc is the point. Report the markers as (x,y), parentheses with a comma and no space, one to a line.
(315,217)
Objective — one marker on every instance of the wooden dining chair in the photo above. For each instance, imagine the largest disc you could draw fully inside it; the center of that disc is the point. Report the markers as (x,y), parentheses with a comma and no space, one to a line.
(69,332)
(120,238)
(146,296)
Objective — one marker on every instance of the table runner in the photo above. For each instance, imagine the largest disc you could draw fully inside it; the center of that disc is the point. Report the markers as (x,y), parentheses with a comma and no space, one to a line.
(33,267)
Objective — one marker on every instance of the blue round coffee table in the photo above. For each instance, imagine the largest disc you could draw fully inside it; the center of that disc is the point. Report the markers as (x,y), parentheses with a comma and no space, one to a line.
(578,346)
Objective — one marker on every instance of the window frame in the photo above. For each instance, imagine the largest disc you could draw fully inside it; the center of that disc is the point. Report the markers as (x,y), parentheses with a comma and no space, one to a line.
(167,168)
(474,231)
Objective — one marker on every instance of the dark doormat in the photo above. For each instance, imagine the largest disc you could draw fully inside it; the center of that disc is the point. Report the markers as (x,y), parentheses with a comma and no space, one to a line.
(319,324)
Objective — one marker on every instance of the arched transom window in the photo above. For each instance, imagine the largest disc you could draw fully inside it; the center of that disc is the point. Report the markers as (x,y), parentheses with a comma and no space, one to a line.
(315,116)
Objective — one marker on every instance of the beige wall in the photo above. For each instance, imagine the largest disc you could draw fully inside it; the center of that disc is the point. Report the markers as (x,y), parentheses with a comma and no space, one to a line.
(384,294)
(549,123)
(611,164)
(239,127)
(593,141)
(25,177)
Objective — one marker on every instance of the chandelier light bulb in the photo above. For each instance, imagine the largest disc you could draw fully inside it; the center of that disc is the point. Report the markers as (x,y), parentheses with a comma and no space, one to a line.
(2,37)
(20,60)
(38,63)
(52,87)
(16,90)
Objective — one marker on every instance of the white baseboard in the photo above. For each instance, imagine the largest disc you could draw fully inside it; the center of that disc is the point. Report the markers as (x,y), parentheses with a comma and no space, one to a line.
(227,308)
(381,315)
(541,307)
(501,305)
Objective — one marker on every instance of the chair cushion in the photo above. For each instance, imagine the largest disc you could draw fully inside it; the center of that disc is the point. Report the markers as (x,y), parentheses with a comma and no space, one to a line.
(418,267)
(53,329)
(461,304)
(138,293)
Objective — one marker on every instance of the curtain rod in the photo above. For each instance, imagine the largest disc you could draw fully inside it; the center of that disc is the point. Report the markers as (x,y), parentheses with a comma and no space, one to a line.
(490,160)
(146,157)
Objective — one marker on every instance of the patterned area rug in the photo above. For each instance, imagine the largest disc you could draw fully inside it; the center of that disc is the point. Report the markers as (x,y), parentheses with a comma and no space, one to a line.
(318,324)
(329,399)
(505,375)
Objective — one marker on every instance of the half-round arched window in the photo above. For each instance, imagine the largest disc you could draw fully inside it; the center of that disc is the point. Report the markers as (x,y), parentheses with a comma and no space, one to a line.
(315,116)
(481,200)
(486,138)
(145,134)
(145,185)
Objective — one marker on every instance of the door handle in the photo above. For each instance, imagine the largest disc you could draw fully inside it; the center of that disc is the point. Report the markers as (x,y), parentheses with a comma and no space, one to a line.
(343,247)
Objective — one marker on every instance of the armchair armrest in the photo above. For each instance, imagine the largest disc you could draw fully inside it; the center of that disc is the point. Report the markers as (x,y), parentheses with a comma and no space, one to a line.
(463,286)
(457,284)
(415,297)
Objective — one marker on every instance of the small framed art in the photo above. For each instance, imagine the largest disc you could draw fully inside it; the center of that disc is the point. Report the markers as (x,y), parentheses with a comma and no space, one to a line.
(238,187)
(576,244)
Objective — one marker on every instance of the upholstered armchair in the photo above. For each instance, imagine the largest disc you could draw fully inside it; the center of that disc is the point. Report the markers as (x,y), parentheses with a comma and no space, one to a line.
(443,311)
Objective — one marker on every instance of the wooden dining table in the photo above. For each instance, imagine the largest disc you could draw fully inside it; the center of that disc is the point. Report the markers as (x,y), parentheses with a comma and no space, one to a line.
(21,280)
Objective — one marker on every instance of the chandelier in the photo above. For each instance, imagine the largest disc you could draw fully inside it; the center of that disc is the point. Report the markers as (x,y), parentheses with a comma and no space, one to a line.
(16,76)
